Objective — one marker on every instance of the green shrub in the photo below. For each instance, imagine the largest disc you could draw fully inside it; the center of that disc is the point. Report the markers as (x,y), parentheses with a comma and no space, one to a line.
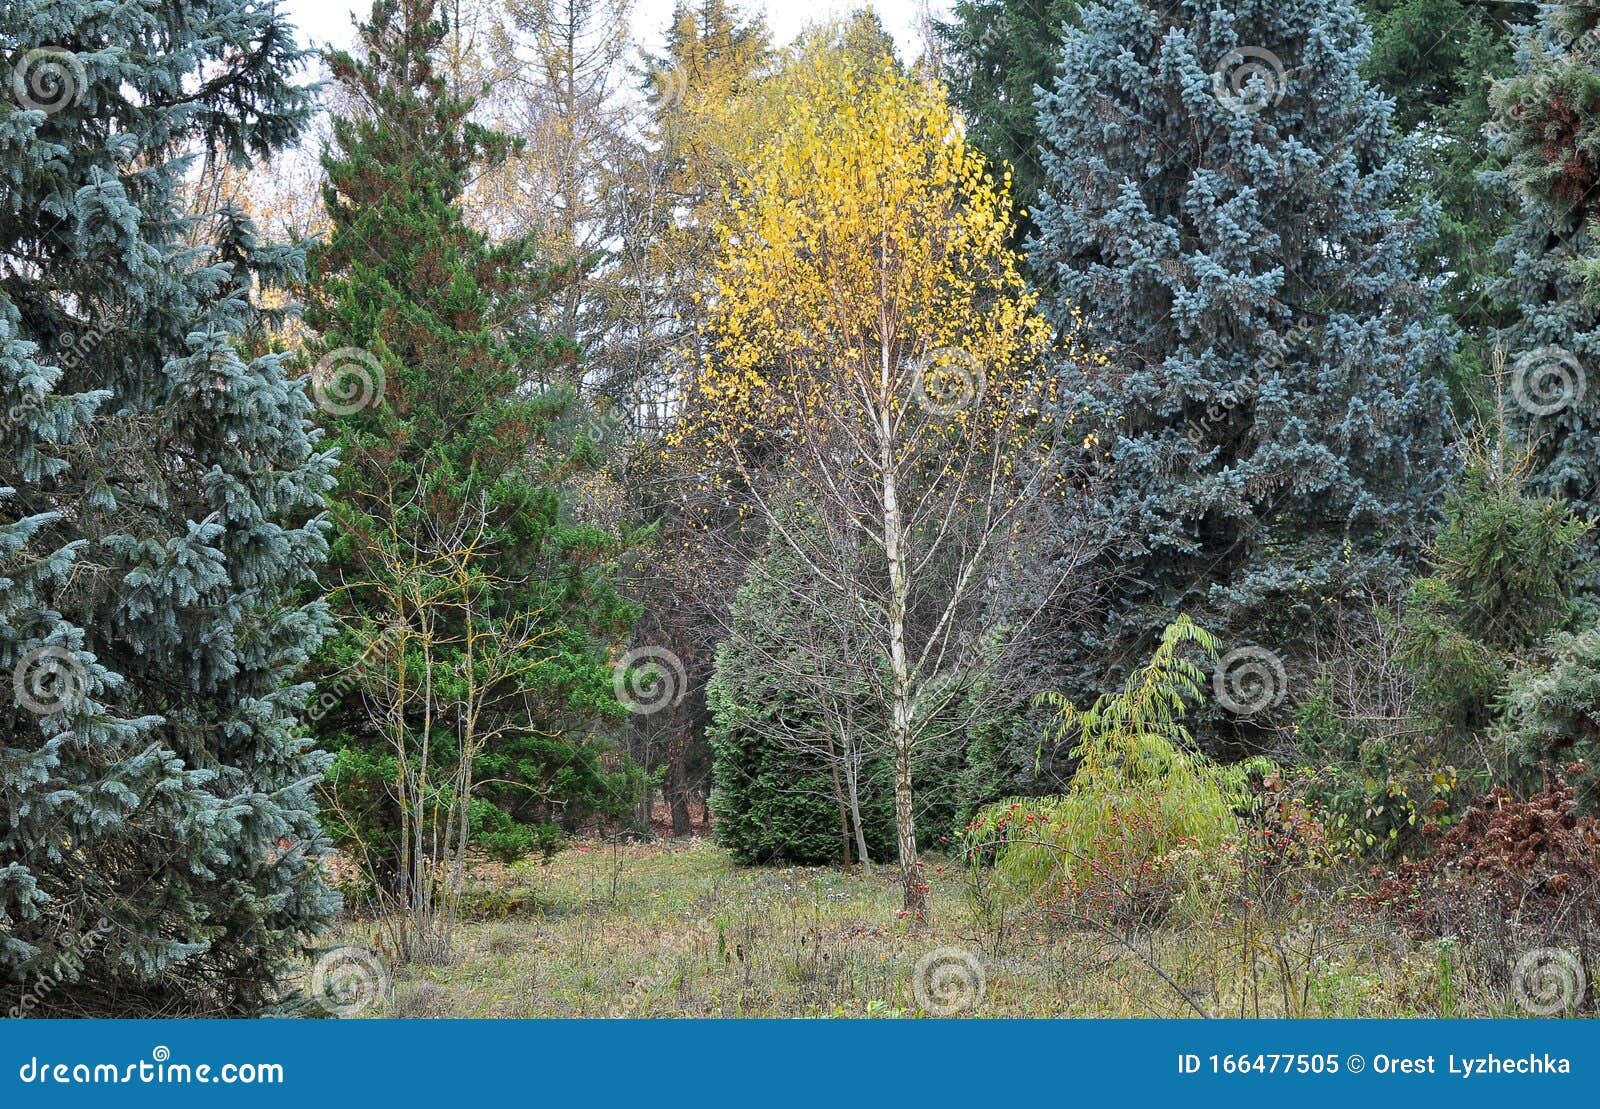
(773,803)
(1406,732)
(507,840)
(1504,562)
(773,794)
(1144,806)
(1003,758)
(1375,792)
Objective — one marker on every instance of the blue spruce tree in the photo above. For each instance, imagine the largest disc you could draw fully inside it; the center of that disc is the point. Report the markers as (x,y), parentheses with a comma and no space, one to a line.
(161,490)
(1222,206)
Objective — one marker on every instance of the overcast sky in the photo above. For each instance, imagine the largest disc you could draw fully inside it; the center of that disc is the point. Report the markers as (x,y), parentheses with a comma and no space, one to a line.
(328,21)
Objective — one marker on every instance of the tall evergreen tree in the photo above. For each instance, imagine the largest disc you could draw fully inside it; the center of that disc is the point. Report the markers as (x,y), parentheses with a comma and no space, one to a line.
(1438,60)
(998,55)
(1548,123)
(1222,197)
(160,508)
(428,363)
(698,87)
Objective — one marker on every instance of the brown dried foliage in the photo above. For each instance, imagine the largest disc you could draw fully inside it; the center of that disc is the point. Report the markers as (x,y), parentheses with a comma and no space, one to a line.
(1532,864)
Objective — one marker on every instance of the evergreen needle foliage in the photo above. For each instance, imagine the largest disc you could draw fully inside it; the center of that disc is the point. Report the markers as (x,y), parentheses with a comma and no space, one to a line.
(161,498)
(1547,126)
(455,545)
(1270,426)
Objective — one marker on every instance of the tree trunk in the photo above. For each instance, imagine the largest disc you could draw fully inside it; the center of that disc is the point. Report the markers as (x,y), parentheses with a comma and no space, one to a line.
(678,801)
(905,825)
(852,780)
(844,812)
(900,731)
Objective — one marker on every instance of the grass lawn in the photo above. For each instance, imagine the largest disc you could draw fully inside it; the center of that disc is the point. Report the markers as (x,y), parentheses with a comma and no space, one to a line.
(674,929)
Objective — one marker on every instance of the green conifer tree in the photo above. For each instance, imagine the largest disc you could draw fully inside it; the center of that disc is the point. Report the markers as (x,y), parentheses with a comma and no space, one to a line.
(999,55)
(428,364)
(1438,59)
(1547,123)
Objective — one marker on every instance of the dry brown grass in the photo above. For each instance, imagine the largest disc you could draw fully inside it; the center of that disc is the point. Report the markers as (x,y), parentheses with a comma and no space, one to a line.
(674,929)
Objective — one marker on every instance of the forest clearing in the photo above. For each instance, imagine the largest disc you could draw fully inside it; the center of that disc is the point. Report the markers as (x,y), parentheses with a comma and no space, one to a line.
(676,929)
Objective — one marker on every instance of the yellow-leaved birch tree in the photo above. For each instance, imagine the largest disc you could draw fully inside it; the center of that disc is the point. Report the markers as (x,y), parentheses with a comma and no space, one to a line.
(874,356)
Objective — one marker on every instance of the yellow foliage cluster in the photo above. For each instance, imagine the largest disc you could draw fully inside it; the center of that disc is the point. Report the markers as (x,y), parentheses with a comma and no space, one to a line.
(868,306)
